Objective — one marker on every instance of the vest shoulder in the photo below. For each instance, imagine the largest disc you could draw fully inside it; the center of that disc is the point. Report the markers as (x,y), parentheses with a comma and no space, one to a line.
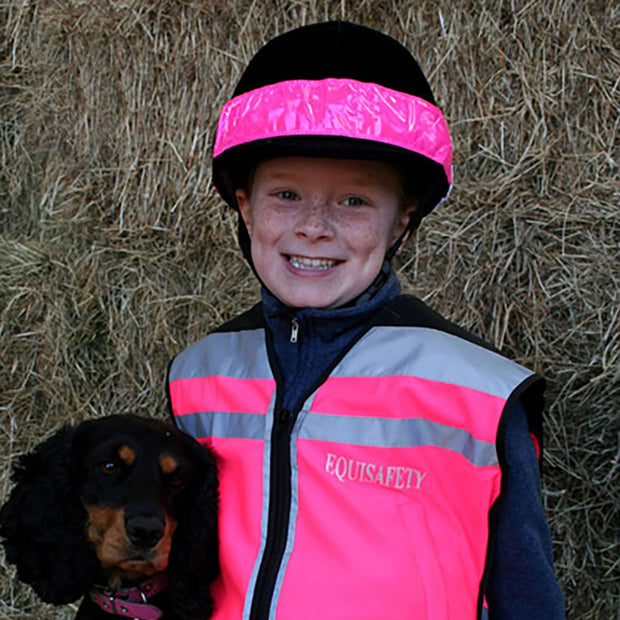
(226,336)
(459,356)
(409,311)
(220,351)
(250,319)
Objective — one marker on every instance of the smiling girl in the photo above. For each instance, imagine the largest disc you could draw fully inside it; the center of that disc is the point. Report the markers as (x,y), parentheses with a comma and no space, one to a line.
(376,461)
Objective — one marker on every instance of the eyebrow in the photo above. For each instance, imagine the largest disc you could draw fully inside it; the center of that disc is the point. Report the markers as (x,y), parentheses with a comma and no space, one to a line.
(285,176)
(278,176)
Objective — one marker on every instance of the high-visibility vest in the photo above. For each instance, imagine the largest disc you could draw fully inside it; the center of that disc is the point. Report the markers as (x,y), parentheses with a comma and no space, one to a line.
(373,501)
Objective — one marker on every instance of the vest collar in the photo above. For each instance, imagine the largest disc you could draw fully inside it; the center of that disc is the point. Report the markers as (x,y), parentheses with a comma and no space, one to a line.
(132,602)
(334,322)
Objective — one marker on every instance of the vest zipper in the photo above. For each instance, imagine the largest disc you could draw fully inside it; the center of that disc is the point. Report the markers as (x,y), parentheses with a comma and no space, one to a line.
(279,509)
(294,329)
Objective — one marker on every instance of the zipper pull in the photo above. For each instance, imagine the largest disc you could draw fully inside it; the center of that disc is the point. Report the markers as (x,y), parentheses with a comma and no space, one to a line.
(294,329)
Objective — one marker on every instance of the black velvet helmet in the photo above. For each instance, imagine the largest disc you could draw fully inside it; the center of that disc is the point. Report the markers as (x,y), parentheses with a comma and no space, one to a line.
(336,90)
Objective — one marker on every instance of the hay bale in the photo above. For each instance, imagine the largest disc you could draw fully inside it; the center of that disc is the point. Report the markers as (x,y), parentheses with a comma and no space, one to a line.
(116,252)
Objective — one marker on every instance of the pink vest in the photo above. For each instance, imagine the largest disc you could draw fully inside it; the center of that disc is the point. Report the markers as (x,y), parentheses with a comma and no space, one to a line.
(394,470)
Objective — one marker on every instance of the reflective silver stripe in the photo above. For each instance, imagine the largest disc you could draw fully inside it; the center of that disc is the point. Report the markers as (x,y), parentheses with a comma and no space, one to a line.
(485,614)
(397,433)
(431,354)
(294,509)
(356,430)
(241,355)
(386,351)
(249,595)
(224,425)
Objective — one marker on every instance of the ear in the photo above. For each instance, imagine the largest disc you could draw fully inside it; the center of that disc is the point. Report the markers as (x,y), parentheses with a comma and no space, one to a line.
(243,200)
(43,524)
(402,224)
(194,562)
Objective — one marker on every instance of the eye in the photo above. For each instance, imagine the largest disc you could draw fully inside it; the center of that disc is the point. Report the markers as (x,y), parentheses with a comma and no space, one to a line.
(175,481)
(107,468)
(354,201)
(287,194)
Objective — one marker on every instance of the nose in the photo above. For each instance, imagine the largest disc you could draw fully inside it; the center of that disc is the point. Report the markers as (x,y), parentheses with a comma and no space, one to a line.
(145,532)
(315,222)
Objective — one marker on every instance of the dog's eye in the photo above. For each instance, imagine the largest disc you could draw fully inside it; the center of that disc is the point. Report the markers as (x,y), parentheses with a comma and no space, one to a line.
(175,481)
(108,467)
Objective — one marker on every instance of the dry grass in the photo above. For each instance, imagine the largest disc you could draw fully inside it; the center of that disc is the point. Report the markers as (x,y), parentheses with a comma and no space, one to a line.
(116,253)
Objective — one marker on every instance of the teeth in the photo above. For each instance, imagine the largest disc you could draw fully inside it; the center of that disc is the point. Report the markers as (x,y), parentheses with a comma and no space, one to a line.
(301,262)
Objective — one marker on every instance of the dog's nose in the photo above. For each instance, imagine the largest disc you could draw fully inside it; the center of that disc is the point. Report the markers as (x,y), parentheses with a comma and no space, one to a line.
(144,532)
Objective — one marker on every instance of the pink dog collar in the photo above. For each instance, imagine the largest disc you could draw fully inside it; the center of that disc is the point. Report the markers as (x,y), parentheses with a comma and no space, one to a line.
(132,602)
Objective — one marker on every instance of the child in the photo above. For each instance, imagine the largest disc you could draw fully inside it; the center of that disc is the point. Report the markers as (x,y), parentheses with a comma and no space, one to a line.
(375,460)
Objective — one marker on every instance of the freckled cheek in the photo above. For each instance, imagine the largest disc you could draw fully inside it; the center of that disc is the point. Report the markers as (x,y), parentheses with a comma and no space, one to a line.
(268,234)
(367,241)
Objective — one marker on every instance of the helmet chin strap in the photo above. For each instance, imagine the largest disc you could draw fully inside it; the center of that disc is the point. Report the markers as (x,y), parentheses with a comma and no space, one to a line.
(386,268)
(377,283)
(412,225)
(393,249)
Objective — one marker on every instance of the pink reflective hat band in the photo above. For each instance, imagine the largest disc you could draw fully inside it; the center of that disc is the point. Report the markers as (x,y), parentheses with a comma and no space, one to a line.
(336,107)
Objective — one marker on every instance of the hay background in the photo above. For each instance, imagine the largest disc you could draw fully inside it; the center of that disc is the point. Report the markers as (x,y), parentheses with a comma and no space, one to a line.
(116,253)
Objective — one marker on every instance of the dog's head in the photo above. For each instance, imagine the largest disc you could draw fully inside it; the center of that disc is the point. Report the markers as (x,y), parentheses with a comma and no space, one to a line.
(114,499)
(137,481)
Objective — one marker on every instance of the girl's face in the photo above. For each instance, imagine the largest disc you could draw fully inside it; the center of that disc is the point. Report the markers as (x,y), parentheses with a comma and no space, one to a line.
(320,228)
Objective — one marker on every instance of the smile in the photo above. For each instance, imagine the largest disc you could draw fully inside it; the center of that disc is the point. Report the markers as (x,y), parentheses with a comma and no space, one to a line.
(302,262)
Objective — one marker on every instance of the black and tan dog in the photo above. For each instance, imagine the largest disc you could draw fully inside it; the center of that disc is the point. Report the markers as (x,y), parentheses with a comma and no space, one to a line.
(121,510)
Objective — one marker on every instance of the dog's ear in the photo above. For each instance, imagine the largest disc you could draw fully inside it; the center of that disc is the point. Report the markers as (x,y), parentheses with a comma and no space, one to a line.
(43,523)
(194,562)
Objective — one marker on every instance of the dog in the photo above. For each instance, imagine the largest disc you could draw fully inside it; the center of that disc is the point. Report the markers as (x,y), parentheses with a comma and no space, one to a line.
(121,511)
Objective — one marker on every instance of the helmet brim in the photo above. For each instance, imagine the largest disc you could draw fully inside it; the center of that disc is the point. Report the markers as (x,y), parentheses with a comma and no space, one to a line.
(231,169)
